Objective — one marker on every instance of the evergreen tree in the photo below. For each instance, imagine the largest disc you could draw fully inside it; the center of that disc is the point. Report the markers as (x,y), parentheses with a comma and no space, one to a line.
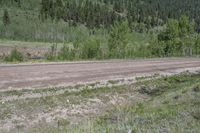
(6,18)
(18,2)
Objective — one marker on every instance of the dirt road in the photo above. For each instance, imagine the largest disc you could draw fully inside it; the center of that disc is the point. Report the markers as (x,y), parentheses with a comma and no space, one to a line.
(55,74)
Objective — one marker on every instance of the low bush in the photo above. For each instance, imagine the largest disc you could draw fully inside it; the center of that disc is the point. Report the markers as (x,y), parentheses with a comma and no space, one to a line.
(14,56)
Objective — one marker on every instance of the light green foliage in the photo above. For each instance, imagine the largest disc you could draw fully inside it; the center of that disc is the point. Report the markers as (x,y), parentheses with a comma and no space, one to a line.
(169,38)
(184,26)
(118,39)
(91,48)
(178,38)
(118,43)
(66,53)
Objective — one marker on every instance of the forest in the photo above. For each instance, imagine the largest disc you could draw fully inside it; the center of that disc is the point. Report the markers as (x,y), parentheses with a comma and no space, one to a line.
(103,29)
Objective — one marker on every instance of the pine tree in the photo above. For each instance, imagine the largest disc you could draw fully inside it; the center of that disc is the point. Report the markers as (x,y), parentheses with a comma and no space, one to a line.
(18,2)
(6,18)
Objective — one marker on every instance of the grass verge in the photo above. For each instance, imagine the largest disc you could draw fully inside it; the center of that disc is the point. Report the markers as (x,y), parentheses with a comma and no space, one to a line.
(168,104)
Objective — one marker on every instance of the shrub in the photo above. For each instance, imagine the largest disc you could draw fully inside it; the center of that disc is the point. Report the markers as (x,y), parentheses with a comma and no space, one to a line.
(91,48)
(118,39)
(51,55)
(15,55)
(66,53)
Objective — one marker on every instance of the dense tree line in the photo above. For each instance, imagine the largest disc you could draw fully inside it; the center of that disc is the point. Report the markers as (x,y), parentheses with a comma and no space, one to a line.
(95,13)
(141,15)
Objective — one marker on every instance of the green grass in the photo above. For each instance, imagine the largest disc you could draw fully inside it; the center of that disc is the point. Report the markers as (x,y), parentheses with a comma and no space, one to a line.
(175,112)
(167,104)
(176,109)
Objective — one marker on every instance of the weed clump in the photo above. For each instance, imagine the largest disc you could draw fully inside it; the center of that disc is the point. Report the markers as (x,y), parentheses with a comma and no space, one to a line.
(177,79)
(196,88)
(152,90)
(63,123)
(15,56)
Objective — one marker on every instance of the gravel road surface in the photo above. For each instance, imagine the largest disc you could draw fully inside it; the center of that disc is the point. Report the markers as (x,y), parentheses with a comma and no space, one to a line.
(55,74)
